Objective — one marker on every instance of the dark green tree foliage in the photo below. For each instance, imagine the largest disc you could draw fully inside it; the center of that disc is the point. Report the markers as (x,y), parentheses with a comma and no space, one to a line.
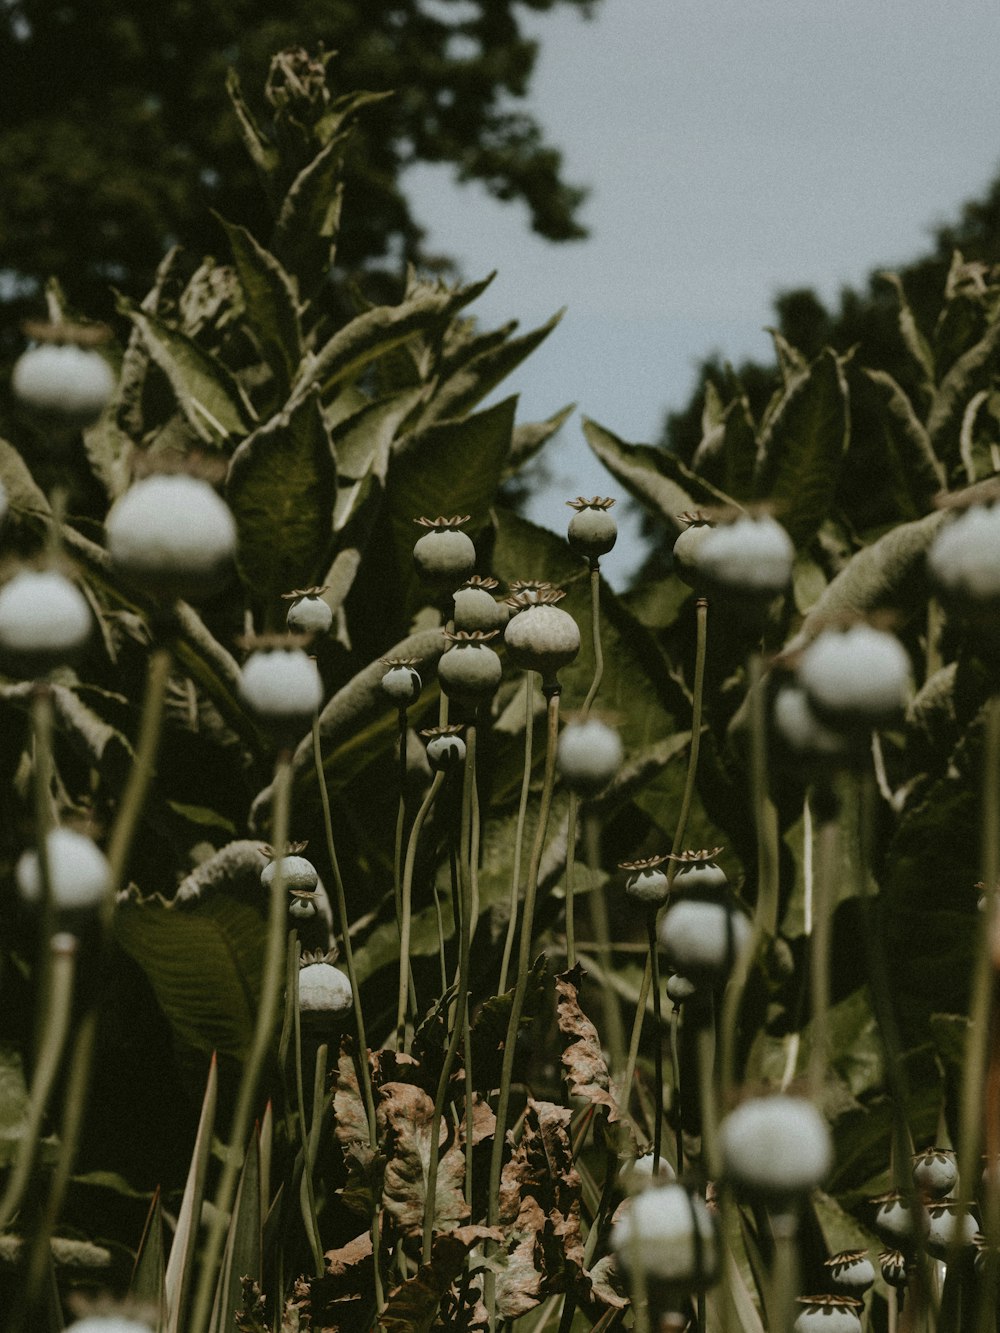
(114,137)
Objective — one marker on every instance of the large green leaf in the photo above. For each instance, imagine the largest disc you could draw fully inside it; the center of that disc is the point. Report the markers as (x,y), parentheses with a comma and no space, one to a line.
(531,436)
(362,442)
(204,965)
(913,340)
(916,474)
(206,392)
(972,371)
(657,478)
(263,154)
(305,232)
(271,303)
(801,447)
(281,488)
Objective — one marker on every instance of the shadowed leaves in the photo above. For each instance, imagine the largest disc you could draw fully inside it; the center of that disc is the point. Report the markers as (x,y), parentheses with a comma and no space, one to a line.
(414,1307)
(584,1066)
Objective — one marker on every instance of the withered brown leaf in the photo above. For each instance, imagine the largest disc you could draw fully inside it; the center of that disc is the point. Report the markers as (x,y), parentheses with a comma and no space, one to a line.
(413,1307)
(584,1067)
(404,1118)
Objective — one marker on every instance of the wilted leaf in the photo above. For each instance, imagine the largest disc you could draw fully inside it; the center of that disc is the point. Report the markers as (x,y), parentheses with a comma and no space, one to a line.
(413,1307)
(585,1069)
(271,303)
(405,1113)
(281,488)
(913,340)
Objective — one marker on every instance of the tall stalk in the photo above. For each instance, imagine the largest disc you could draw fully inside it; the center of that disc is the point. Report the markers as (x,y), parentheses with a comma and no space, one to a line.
(406,906)
(522,809)
(521,982)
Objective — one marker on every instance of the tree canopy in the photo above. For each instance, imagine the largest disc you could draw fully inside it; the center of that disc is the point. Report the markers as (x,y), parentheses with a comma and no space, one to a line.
(114,141)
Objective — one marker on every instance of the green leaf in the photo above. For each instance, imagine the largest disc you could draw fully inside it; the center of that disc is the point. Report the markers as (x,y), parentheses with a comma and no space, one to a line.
(272,310)
(242,1255)
(530,437)
(281,488)
(204,965)
(656,478)
(24,495)
(913,340)
(305,232)
(363,441)
(148,1277)
(903,447)
(972,371)
(206,392)
(790,360)
(263,154)
(801,446)
(181,1264)
(739,450)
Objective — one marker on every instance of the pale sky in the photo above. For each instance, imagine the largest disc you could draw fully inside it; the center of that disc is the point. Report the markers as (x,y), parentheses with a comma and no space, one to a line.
(733,149)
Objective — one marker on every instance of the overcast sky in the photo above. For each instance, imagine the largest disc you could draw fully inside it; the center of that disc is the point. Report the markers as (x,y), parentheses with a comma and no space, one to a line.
(733,149)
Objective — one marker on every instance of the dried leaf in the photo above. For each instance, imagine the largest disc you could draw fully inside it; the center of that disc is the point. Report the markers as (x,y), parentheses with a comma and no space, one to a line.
(349,1269)
(586,1071)
(413,1307)
(249,1318)
(342,1299)
(606,1283)
(404,1118)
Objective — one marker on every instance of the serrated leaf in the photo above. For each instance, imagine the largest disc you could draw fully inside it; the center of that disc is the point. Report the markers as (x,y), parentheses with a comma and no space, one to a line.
(363,441)
(205,391)
(204,964)
(405,1116)
(917,474)
(281,488)
(584,1067)
(656,478)
(801,447)
(413,1307)
(271,303)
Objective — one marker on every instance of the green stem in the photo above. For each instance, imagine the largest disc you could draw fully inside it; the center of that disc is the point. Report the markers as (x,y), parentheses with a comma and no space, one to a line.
(522,809)
(397,860)
(267,1011)
(574,803)
(708,1092)
(42,726)
(141,773)
(521,983)
(828,856)
(658,1043)
(406,905)
(58,1009)
(458,1022)
(675,1065)
(784,1273)
(306,1198)
(602,937)
(595,634)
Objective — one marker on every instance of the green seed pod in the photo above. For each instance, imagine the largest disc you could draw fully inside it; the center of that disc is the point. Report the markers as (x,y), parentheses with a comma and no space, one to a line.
(592,531)
(444,554)
(469,671)
(541,637)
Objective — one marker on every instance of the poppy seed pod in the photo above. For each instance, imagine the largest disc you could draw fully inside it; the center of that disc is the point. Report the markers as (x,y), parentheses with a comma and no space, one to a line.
(702,936)
(79,874)
(749,558)
(949,1223)
(282,686)
(173,535)
(307,612)
(324,991)
(856,677)
(852,1271)
(592,531)
(828,1314)
(541,637)
(687,545)
(469,671)
(588,755)
(647,883)
(935,1172)
(445,748)
(401,682)
(44,620)
(669,1233)
(65,381)
(698,871)
(107,1323)
(894,1268)
(964,561)
(896,1220)
(775,1147)
(476,608)
(297,874)
(444,554)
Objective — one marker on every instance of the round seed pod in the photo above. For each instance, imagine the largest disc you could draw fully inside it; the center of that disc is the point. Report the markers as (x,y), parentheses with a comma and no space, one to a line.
(894,1268)
(828,1314)
(298,874)
(701,937)
(680,988)
(592,531)
(950,1223)
(671,1235)
(804,736)
(469,671)
(856,678)
(307,612)
(541,637)
(896,1221)
(639,1174)
(588,755)
(750,558)
(964,561)
(476,608)
(44,621)
(172,535)
(935,1172)
(401,682)
(79,874)
(775,1148)
(108,1323)
(282,686)
(647,883)
(69,383)
(698,871)
(444,554)
(324,991)
(302,906)
(852,1271)
(686,548)
(445,748)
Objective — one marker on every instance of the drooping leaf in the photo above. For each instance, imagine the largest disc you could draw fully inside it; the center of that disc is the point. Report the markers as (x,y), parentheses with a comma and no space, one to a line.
(204,964)
(913,340)
(405,1114)
(363,441)
(492,1019)
(801,446)
(529,438)
(916,474)
(206,392)
(281,488)
(305,232)
(272,311)
(263,154)
(413,1307)
(972,371)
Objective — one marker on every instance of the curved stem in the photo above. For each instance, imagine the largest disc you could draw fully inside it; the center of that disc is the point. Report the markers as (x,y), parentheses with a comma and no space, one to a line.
(602,939)
(457,1030)
(59,1003)
(267,1011)
(522,809)
(521,982)
(406,907)
(658,1044)
(141,773)
(595,632)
